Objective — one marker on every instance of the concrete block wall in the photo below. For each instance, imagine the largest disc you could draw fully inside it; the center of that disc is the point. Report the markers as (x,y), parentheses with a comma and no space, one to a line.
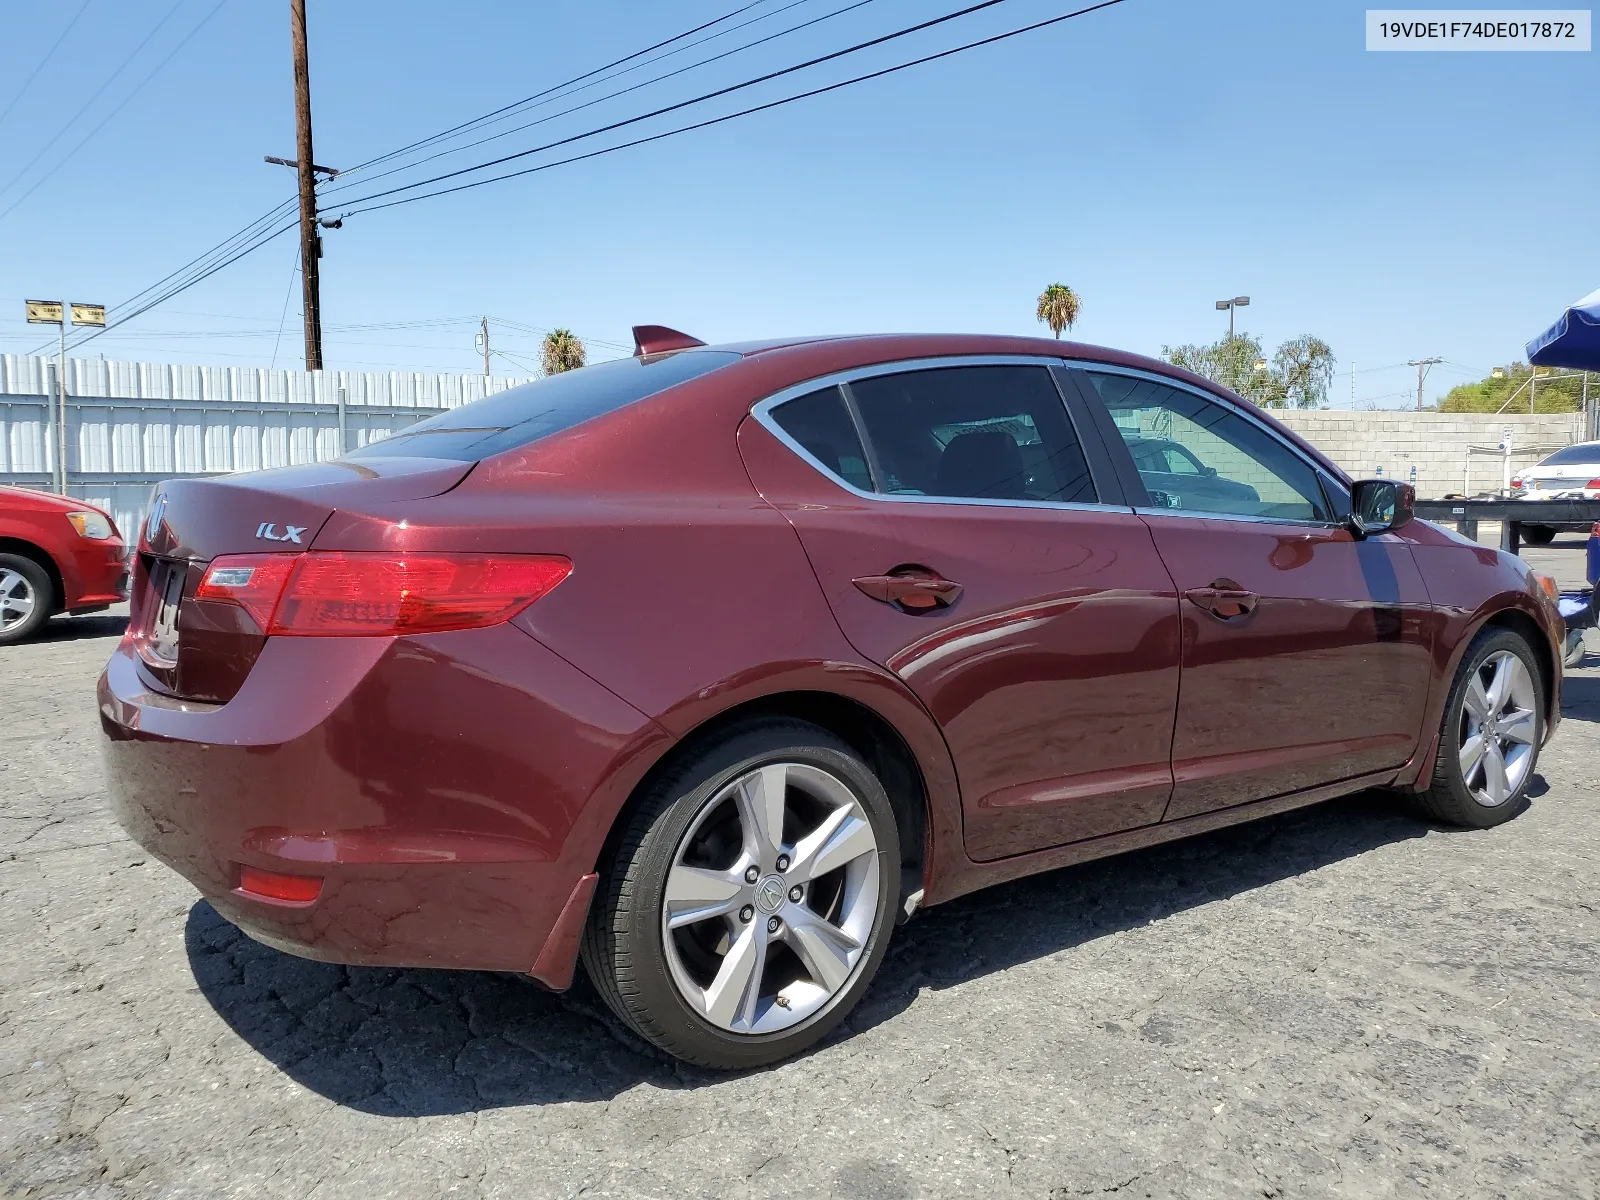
(1438,445)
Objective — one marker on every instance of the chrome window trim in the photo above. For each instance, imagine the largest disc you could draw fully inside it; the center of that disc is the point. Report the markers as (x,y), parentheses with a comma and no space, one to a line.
(1317,470)
(762,412)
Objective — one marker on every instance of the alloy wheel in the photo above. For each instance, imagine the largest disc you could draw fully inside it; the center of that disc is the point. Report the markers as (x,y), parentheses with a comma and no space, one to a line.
(1499,725)
(771,899)
(17,599)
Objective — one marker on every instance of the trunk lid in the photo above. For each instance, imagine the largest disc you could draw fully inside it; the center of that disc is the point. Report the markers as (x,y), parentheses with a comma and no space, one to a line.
(200,650)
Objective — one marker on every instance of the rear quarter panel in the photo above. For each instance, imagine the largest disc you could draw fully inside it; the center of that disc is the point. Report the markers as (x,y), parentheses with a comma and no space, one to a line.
(689,595)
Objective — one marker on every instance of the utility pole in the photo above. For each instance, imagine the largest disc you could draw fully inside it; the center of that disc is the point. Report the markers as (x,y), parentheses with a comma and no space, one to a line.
(486,347)
(1422,365)
(310,243)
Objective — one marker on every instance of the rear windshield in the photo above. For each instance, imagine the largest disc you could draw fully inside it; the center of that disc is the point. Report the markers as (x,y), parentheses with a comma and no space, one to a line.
(525,414)
(1586,453)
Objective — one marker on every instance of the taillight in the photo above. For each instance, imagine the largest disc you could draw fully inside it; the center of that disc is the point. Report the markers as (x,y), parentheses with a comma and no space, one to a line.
(1516,483)
(336,594)
(1591,485)
(252,581)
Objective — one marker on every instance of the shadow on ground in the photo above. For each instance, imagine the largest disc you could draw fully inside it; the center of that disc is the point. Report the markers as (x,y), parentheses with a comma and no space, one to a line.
(420,1042)
(1580,698)
(77,629)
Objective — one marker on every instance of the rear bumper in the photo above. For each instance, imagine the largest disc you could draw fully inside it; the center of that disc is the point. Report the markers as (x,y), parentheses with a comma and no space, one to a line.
(451,792)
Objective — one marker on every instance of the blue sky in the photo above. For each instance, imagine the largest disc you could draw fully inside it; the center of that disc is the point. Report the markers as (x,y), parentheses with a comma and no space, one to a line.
(1157,155)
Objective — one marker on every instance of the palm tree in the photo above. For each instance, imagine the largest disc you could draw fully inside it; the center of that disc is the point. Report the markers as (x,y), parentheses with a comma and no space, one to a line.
(1058,308)
(562,351)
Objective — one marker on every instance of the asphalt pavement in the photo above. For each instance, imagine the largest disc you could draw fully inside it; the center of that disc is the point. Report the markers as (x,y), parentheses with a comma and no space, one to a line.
(1343,1001)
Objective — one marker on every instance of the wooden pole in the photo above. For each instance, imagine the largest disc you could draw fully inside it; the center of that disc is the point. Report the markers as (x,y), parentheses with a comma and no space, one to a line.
(310,243)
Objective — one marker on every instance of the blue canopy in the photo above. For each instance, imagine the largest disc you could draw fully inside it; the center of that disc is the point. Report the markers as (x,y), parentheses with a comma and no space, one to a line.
(1573,341)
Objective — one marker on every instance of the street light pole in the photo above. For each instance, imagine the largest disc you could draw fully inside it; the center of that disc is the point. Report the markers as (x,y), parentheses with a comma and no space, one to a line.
(1230,305)
(61,412)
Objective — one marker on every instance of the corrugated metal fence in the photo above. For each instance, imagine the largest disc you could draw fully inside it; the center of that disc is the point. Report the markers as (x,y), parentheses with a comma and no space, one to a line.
(130,425)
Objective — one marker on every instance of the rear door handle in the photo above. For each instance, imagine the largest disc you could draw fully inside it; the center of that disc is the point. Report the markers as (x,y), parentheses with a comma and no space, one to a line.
(918,592)
(1224,599)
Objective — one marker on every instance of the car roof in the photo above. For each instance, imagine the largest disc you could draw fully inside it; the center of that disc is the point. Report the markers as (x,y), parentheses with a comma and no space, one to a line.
(802,358)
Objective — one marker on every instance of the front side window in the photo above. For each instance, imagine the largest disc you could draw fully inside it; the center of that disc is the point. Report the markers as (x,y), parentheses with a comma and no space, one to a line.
(1194,454)
(982,432)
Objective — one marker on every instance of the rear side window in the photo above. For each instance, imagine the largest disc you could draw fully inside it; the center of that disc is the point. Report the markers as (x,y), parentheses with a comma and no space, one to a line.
(988,433)
(821,424)
(1587,452)
(525,414)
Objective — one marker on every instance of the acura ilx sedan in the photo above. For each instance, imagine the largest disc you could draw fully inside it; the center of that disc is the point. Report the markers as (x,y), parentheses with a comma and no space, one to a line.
(710,666)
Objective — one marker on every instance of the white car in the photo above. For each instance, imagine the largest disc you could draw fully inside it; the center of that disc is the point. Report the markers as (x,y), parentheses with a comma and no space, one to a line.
(1571,473)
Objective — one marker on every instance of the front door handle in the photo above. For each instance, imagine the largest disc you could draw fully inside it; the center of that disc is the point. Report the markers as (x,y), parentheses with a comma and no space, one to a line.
(916,591)
(1224,599)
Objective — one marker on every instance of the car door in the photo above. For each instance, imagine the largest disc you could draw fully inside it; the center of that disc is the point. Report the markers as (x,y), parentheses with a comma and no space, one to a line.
(962,544)
(1305,650)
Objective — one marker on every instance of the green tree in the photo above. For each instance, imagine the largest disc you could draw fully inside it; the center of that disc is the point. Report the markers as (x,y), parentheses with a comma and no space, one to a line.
(1058,308)
(1553,393)
(1298,376)
(562,351)
(1303,368)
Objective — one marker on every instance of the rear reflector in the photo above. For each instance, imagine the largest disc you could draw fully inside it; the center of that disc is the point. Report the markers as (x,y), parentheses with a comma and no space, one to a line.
(298,888)
(335,594)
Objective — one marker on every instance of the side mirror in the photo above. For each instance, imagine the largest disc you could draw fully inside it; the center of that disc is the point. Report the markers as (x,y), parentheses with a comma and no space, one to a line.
(1209,472)
(1380,505)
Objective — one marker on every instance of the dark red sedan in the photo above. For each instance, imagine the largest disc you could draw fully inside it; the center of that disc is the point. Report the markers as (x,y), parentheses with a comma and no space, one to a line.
(712,665)
(57,555)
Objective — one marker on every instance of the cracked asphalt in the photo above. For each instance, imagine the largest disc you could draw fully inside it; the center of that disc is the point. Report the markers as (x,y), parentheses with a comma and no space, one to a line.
(1340,1001)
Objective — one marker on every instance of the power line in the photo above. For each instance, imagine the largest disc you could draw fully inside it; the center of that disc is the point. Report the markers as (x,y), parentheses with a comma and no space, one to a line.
(283,318)
(832,87)
(736,87)
(250,238)
(199,263)
(609,95)
(189,281)
(432,138)
(259,233)
(97,94)
(61,162)
(48,54)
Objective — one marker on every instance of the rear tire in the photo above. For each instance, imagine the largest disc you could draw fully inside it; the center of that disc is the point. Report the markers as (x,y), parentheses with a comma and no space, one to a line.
(1489,742)
(27,597)
(1538,535)
(727,971)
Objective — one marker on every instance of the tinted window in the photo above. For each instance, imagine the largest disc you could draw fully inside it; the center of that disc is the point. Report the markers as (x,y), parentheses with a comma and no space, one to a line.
(992,433)
(1586,453)
(1193,453)
(821,423)
(527,413)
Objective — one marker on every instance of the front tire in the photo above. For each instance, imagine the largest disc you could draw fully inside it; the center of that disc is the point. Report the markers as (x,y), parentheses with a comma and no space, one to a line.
(26,597)
(1489,744)
(749,899)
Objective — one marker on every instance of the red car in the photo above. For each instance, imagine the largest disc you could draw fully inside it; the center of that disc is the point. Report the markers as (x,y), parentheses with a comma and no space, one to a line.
(712,665)
(56,555)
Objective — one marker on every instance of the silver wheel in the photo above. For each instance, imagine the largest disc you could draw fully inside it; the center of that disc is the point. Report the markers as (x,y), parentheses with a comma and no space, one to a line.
(17,599)
(771,899)
(1499,726)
